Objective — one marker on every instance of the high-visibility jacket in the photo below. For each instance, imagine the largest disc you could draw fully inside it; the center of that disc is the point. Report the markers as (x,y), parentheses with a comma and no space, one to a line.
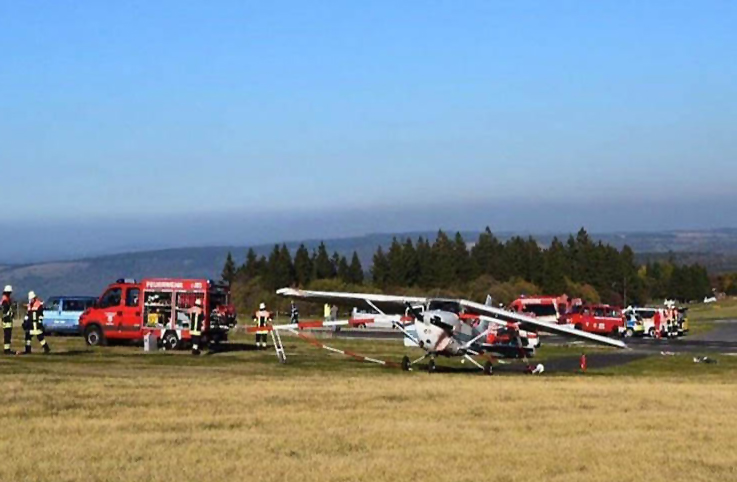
(6,311)
(35,317)
(196,320)
(326,310)
(262,318)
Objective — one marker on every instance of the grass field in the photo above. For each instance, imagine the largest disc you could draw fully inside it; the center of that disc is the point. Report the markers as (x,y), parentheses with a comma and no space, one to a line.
(118,414)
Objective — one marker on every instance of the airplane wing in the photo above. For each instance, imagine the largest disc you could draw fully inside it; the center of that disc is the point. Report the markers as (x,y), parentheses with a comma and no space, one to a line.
(389,304)
(505,315)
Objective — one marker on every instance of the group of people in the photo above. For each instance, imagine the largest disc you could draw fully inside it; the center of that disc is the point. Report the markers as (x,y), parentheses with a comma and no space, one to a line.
(32,323)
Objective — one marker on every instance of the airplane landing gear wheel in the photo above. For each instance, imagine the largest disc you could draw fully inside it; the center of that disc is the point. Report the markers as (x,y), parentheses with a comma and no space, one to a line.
(431,366)
(488,368)
(406,366)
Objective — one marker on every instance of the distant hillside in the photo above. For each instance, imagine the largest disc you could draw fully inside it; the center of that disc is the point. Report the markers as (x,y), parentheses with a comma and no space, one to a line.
(716,249)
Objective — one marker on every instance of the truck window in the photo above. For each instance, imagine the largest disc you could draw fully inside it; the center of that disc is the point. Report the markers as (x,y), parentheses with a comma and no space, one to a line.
(52,304)
(131,297)
(74,305)
(111,298)
(541,310)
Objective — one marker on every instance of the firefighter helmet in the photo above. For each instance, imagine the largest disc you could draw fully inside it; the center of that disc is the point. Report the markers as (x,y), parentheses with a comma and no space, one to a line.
(31,295)
(198,302)
(262,306)
(8,289)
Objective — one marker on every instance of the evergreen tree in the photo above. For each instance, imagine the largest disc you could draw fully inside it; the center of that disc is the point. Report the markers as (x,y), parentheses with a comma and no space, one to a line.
(444,272)
(411,265)
(302,266)
(396,275)
(344,273)
(228,274)
(554,268)
(380,269)
(335,263)
(423,255)
(322,264)
(486,256)
(355,270)
(461,260)
(251,268)
(280,271)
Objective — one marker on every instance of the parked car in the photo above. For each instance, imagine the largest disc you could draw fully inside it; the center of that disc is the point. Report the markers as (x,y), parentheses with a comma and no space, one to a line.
(61,313)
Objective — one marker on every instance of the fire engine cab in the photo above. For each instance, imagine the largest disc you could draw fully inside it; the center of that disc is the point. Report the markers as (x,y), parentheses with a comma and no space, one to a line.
(129,309)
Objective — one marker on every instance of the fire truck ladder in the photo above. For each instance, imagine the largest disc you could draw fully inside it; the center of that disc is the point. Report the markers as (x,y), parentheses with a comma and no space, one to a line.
(278,346)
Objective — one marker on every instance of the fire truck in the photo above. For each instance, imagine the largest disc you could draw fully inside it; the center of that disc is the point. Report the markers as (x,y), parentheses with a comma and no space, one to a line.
(544,308)
(129,309)
(601,319)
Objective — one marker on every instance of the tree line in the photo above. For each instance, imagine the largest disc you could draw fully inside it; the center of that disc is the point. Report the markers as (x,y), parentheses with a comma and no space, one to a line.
(449,265)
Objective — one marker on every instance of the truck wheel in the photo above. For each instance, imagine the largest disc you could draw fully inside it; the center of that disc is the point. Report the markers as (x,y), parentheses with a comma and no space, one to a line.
(629,333)
(651,333)
(488,368)
(171,341)
(577,326)
(93,336)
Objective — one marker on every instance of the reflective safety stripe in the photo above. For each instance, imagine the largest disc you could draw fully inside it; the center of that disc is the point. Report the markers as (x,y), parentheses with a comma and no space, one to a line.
(8,325)
(43,342)
(28,342)
(6,346)
(195,332)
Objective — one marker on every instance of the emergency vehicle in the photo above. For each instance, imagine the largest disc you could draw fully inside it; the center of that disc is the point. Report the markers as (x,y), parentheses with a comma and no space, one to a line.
(129,309)
(601,319)
(544,308)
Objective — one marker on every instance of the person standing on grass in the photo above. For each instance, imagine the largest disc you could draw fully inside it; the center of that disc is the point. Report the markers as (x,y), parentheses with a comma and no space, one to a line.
(293,313)
(7,314)
(33,323)
(262,319)
(326,311)
(196,325)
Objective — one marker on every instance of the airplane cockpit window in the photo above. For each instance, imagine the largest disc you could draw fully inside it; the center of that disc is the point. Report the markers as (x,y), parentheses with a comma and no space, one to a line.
(440,305)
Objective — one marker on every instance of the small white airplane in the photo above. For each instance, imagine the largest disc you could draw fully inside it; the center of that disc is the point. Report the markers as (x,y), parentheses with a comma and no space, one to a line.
(444,327)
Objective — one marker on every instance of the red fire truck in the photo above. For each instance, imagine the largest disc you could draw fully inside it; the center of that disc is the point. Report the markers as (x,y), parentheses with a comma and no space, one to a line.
(129,309)
(544,308)
(602,319)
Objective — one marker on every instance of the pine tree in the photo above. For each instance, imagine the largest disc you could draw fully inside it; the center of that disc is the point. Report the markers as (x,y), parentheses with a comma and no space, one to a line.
(355,270)
(322,265)
(228,274)
(380,269)
(335,263)
(344,270)
(425,272)
(554,266)
(444,272)
(461,260)
(397,275)
(302,266)
(251,266)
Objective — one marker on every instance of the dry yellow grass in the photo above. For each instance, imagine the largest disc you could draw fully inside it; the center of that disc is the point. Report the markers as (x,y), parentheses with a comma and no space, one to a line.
(123,418)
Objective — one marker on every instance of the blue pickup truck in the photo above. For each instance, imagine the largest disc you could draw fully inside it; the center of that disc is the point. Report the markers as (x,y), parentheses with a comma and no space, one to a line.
(61,313)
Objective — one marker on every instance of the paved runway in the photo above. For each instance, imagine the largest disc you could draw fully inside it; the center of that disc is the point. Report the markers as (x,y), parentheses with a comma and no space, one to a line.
(722,339)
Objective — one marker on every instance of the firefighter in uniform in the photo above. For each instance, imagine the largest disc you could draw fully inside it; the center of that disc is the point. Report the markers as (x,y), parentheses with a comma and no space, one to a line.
(293,313)
(261,318)
(6,311)
(33,324)
(196,325)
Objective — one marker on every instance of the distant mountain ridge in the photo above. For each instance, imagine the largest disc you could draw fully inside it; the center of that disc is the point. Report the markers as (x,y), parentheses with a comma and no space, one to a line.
(716,249)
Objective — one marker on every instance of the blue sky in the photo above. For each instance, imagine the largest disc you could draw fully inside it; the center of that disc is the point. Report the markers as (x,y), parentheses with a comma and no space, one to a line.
(138,109)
